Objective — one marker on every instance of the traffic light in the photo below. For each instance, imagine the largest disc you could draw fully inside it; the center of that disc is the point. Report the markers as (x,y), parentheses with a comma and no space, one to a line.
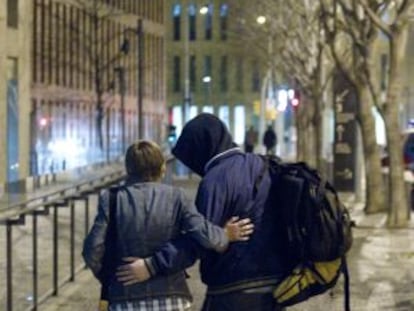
(295,101)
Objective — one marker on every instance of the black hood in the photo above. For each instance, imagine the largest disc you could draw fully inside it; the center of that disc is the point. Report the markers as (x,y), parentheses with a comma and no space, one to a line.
(201,139)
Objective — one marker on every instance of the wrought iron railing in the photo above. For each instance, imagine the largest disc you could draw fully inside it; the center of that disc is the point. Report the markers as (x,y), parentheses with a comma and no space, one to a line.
(51,205)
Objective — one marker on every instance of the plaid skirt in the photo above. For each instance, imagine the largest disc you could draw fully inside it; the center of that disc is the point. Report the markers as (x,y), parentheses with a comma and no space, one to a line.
(172,303)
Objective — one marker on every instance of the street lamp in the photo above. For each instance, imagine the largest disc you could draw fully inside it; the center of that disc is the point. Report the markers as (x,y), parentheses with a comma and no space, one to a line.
(267,86)
(138,31)
(207,81)
(187,94)
(261,20)
(204,10)
(120,70)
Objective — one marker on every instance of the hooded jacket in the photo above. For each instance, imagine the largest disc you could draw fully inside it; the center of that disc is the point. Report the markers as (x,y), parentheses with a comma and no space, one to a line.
(226,190)
(148,214)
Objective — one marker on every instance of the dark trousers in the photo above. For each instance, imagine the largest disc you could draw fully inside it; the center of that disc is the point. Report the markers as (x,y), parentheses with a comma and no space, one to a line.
(240,302)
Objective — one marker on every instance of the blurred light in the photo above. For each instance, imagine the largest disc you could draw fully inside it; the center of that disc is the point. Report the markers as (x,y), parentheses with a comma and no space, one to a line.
(282,98)
(204,10)
(193,111)
(207,79)
(177,10)
(261,20)
(291,93)
(295,102)
(43,122)
(66,147)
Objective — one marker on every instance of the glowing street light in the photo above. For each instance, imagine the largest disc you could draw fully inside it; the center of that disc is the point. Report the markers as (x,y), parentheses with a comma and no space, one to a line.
(204,10)
(206,79)
(261,19)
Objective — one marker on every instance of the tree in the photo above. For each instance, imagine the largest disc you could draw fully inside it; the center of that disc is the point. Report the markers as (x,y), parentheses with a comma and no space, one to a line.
(352,35)
(300,31)
(97,37)
(392,19)
(359,23)
(305,59)
(298,56)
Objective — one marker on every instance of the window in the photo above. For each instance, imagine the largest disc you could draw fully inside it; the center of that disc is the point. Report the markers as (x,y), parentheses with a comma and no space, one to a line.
(208,109)
(177,119)
(192,13)
(12,119)
(223,21)
(177,21)
(255,77)
(209,23)
(207,67)
(223,74)
(12,13)
(224,115)
(239,124)
(193,73)
(193,111)
(177,76)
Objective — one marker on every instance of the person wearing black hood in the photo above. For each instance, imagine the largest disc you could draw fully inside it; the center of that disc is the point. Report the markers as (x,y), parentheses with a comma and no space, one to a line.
(243,277)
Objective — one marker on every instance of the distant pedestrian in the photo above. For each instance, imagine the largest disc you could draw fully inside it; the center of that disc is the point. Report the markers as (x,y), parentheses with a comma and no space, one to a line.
(270,140)
(147,214)
(250,139)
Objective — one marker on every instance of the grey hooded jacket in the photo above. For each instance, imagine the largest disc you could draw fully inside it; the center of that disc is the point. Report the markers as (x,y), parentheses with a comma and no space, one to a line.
(148,214)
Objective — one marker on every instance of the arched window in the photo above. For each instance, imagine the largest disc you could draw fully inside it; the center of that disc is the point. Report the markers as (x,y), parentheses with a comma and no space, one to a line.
(176,21)
(209,23)
(224,12)
(192,13)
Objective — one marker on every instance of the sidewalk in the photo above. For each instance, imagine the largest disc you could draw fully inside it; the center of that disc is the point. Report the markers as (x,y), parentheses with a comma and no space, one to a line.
(381,264)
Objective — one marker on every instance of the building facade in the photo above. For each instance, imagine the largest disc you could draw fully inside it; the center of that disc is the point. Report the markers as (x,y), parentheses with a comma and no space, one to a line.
(83,80)
(15,61)
(97,80)
(206,68)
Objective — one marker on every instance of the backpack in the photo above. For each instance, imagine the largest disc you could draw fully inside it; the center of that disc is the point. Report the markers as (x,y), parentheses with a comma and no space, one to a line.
(316,230)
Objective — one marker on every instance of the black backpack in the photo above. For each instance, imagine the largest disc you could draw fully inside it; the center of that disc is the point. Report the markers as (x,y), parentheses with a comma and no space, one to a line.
(316,229)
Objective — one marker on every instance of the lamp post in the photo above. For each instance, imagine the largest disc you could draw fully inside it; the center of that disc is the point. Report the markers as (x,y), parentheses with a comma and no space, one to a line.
(140,39)
(138,31)
(187,92)
(267,91)
(187,95)
(207,83)
(121,78)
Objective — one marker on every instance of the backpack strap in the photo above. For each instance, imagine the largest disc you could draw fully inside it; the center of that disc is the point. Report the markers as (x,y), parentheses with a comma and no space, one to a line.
(266,159)
(261,175)
(345,271)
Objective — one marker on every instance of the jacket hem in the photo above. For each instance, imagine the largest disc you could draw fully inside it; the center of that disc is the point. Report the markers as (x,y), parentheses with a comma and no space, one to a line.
(244,285)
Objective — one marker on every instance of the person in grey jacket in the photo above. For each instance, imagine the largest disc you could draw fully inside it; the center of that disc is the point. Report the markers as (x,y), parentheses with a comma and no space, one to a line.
(148,214)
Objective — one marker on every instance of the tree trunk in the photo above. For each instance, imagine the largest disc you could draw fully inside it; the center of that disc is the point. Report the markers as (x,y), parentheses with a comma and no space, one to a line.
(306,132)
(398,209)
(375,186)
(317,127)
(300,129)
(99,121)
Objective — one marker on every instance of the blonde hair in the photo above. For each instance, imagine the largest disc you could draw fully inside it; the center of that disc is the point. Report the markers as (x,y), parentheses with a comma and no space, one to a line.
(144,160)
